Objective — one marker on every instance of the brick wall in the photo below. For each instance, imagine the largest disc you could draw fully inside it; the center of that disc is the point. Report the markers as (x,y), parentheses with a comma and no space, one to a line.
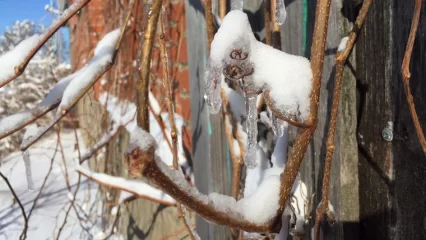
(100,17)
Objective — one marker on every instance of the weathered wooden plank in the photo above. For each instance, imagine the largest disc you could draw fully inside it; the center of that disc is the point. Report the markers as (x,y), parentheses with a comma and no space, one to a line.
(408,220)
(374,71)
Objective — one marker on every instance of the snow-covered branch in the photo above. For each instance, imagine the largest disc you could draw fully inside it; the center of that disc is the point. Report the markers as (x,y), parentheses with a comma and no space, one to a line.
(13,63)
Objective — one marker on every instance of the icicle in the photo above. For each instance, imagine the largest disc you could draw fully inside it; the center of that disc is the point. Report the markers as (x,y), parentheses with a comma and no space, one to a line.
(237,4)
(277,126)
(28,173)
(30,131)
(251,128)
(212,94)
(280,12)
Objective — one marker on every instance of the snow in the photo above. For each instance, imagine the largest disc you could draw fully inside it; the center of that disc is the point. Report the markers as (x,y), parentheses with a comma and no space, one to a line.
(124,112)
(137,187)
(49,211)
(18,120)
(237,4)
(287,77)
(86,76)
(254,207)
(342,44)
(15,57)
(140,139)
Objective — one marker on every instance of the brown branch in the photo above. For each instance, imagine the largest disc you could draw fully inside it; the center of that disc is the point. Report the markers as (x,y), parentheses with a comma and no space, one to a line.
(236,160)
(171,112)
(222,8)
(304,136)
(267,13)
(24,231)
(52,30)
(278,114)
(158,173)
(406,75)
(276,34)
(123,29)
(209,21)
(162,125)
(341,58)
(145,67)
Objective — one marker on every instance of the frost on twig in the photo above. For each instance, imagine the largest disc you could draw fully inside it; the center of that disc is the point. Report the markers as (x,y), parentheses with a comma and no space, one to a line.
(82,81)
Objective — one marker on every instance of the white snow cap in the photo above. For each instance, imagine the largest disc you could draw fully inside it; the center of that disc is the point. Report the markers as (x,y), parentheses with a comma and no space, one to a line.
(288,77)
(342,44)
(141,139)
(13,58)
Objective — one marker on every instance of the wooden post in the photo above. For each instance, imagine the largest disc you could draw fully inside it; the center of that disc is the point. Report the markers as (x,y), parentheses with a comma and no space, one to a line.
(212,168)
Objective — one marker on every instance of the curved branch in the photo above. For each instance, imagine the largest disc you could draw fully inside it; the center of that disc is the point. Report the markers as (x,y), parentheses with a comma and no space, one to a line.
(406,75)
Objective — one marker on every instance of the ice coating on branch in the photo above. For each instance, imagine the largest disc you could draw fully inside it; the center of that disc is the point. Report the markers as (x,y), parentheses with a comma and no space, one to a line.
(280,12)
(237,4)
(251,129)
(14,58)
(212,92)
(31,130)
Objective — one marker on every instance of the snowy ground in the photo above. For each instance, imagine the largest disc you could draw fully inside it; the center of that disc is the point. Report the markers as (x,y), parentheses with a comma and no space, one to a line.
(54,200)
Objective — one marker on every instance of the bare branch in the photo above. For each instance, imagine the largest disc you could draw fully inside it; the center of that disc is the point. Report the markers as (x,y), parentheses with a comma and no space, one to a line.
(304,136)
(24,231)
(406,75)
(145,67)
(341,58)
(171,112)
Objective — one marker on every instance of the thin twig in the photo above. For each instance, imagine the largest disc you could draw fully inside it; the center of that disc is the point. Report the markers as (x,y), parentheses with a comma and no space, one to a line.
(267,13)
(208,12)
(406,75)
(52,30)
(171,112)
(304,136)
(145,67)
(341,58)
(24,231)
(222,8)
(276,34)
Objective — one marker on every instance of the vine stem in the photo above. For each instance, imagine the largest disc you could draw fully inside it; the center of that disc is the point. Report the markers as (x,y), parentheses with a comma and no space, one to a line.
(406,75)
(341,58)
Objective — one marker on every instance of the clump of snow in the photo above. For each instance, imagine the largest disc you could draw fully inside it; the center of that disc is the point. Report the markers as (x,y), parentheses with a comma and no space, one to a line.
(86,76)
(15,57)
(263,204)
(342,44)
(287,77)
(140,139)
